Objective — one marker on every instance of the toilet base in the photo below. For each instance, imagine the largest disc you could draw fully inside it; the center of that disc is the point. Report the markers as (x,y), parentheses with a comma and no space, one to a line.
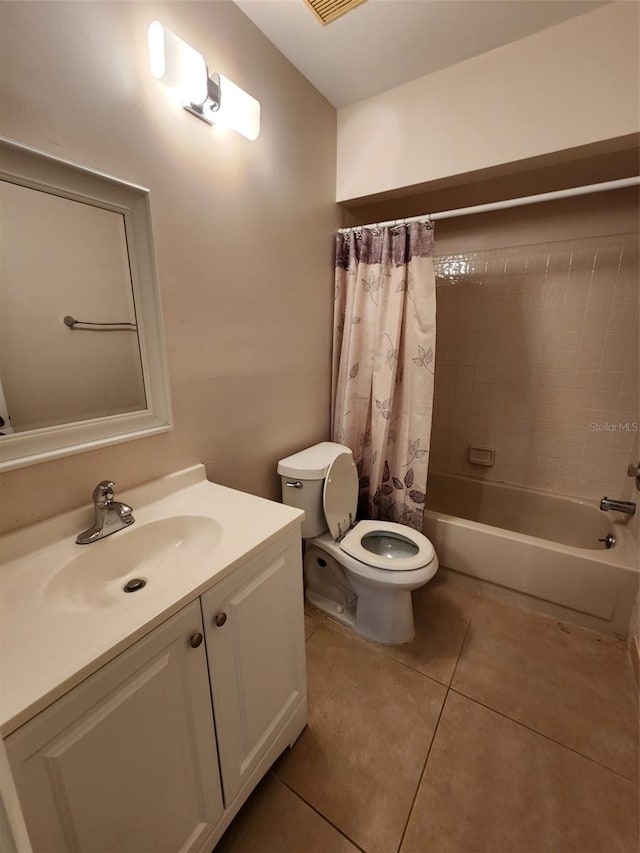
(383,617)
(389,626)
(344,615)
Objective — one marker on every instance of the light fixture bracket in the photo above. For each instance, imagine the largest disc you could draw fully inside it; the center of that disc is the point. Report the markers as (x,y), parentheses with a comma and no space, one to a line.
(211,104)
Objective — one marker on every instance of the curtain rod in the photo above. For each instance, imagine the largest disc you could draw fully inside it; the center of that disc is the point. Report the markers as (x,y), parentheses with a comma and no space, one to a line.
(502,205)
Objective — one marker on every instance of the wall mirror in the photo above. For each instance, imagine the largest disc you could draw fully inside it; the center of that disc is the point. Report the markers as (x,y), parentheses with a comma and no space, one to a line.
(82,353)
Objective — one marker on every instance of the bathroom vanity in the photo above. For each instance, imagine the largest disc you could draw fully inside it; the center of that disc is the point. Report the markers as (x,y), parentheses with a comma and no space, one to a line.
(142,721)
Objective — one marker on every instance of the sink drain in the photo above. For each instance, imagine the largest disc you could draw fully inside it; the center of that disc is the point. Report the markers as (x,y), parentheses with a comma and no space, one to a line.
(134,585)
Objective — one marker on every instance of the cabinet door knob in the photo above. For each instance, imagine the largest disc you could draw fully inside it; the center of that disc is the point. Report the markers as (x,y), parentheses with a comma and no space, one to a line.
(220,619)
(195,640)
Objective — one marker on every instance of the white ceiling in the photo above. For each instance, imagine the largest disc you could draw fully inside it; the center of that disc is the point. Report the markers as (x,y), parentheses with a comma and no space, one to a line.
(383,43)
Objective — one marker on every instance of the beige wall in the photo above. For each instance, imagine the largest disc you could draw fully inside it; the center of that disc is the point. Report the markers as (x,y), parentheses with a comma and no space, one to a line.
(593,215)
(571,85)
(52,374)
(574,167)
(243,233)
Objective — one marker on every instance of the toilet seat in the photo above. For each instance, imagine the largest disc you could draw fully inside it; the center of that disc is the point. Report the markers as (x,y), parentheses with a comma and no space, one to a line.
(340,495)
(383,545)
(416,557)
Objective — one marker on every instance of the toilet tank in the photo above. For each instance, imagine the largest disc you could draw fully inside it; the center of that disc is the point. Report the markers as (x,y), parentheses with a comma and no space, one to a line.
(308,468)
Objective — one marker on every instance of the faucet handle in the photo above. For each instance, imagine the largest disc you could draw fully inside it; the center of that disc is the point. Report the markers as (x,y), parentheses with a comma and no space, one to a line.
(124,510)
(103,492)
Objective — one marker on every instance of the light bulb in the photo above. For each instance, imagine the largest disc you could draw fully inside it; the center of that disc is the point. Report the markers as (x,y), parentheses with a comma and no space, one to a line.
(237,110)
(177,64)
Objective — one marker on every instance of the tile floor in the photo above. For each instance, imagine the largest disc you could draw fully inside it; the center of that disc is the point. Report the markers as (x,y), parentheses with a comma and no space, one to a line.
(496,730)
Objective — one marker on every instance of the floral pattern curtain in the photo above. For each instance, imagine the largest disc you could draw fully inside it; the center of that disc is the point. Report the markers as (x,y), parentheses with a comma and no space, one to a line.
(383,364)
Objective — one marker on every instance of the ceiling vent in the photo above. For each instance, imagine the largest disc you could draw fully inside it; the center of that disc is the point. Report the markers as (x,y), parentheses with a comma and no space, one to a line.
(328,10)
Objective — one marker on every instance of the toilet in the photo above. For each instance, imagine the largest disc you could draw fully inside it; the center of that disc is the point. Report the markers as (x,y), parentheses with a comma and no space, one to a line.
(360,573)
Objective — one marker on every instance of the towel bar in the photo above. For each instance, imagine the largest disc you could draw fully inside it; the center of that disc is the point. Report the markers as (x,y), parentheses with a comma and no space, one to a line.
(71,322)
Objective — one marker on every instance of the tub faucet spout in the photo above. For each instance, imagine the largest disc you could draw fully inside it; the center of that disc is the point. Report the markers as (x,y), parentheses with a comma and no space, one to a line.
(618,506)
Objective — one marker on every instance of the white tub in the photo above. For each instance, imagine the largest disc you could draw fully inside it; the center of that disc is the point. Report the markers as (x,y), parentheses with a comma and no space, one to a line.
(537,545)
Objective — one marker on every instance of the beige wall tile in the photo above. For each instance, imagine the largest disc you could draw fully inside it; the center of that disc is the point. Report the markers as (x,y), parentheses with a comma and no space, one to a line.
(589,359)
(614,359)
(595,319)
(605,400)
(623,319)
(628,400)
(563,355)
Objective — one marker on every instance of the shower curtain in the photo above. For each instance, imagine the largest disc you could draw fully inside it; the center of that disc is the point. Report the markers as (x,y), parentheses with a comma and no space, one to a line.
(383,364)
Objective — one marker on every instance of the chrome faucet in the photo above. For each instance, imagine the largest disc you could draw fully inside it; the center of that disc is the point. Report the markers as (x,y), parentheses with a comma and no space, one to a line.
(110,515)
(618,506)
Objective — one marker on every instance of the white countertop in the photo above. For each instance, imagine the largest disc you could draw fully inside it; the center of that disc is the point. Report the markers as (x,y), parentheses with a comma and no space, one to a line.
(46,649)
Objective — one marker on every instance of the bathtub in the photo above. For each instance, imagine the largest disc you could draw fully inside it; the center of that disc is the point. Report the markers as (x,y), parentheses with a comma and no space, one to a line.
(537,548)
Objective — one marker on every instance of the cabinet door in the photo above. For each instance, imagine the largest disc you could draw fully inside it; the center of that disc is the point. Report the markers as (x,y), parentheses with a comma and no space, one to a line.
(254,625)
(126,762)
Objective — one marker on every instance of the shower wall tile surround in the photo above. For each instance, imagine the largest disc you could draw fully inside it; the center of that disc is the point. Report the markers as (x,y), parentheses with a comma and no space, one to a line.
(537,356)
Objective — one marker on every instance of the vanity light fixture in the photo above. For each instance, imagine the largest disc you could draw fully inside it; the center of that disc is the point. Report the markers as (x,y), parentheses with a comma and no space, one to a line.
(214,99)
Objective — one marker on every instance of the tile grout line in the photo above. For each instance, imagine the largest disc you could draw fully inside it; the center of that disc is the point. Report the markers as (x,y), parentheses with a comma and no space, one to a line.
(635,685)
(543,735)
(524,725)
(329,624)
(332,625)
(424,768)
(464,640)
(319,813)
(435,730)
(313,630)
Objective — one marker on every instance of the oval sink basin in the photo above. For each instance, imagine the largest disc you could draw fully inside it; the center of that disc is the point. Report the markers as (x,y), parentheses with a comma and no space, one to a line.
(152,552)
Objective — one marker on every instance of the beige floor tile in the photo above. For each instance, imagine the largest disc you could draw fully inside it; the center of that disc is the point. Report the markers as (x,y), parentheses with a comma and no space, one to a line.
(309,626)
(568,683)
(312,618)
(371,721)
(274,820)
(494,786)
(441,612)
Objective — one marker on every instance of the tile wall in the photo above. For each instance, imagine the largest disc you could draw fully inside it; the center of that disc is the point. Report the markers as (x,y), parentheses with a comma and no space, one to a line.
(537,357)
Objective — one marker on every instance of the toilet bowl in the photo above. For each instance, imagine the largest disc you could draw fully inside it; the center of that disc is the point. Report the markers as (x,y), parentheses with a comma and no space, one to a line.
(359,573)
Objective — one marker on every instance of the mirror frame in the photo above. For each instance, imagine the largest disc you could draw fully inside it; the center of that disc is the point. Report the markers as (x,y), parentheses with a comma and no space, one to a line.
(29,167)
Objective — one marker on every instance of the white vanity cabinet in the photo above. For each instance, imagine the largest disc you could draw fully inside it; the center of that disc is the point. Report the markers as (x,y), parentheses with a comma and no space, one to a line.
(254,625)
(138,758)
(126,761)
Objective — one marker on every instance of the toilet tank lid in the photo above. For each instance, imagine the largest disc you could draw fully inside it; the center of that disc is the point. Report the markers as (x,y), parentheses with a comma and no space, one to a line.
(312,463)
